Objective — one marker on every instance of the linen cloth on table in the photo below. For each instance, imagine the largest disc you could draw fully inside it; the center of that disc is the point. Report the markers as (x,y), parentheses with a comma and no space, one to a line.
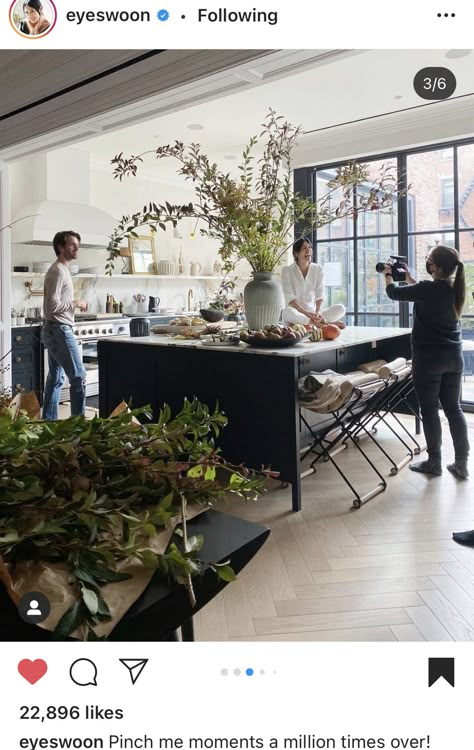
(328,391)
(373,366)
(385,369)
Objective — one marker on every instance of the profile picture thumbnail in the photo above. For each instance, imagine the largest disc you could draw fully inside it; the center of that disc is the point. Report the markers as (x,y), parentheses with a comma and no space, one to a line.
(33,19)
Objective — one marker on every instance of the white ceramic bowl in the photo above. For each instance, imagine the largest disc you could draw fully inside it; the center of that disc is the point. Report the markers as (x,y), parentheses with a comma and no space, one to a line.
(41,266)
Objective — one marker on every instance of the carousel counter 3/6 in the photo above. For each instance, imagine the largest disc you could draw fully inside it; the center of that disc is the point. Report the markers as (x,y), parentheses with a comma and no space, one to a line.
(256,388)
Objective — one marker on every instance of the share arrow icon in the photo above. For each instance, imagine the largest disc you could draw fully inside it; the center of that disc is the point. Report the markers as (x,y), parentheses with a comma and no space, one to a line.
(135,667)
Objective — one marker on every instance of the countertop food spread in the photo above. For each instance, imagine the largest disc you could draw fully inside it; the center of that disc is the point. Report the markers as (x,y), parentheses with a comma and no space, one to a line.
(349,337)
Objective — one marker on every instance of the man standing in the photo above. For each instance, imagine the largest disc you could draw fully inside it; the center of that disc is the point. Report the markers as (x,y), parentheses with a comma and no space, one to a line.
(64,356)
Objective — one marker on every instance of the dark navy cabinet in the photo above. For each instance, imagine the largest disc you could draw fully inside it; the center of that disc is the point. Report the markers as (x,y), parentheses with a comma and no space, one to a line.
(26,360)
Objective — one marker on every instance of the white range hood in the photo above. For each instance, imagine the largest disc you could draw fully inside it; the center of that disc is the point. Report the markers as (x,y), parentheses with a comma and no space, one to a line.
(55,188)
(47,217)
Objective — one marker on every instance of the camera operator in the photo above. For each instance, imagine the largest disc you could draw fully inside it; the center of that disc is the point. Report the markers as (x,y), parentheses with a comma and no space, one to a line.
(437,353)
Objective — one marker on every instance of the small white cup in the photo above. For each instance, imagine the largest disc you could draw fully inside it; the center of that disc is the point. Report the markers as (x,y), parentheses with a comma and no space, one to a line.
(20,321)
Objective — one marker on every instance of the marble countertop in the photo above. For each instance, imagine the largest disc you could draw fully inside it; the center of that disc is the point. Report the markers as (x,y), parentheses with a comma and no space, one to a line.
(350,336)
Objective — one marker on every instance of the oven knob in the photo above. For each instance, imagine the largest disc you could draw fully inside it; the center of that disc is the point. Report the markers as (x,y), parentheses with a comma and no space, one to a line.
(111,330)
(97,330)
(91,330)
(76,332)
(84,332)
(104,330)
(121,329)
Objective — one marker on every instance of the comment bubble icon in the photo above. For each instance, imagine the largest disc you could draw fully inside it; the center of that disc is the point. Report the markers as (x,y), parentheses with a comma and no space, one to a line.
(83,672)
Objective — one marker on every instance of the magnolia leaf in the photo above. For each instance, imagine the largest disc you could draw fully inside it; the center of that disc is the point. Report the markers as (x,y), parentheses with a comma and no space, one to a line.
(225,573)
(195,471)
(103,609)
(70,621)
(90,600)
(85,576)
(12,536)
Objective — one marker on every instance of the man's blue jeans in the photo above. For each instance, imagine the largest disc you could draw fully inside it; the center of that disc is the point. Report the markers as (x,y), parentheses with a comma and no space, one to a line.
(64,357)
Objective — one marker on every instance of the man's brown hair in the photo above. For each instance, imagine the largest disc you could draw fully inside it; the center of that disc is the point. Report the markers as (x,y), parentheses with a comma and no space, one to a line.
(60,239)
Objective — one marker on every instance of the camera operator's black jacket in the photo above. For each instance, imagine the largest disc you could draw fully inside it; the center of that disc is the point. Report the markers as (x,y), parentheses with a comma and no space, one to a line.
(435,324)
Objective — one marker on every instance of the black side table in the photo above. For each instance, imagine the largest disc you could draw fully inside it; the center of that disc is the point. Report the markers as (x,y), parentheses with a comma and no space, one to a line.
(164,608)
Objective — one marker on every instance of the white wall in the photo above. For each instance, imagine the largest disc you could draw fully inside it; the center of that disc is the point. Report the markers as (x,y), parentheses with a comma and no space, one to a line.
(117,198)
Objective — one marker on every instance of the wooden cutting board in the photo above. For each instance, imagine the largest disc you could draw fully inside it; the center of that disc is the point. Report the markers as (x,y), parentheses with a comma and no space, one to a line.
(222,325)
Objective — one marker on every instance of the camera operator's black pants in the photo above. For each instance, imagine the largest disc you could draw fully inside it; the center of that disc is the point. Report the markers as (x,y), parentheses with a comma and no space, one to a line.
(437,376)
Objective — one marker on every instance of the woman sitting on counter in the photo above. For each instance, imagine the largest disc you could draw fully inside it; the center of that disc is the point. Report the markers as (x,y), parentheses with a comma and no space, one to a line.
(303,288)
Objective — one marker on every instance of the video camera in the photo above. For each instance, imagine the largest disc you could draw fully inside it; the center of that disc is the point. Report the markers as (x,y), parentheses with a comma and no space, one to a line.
(395,263)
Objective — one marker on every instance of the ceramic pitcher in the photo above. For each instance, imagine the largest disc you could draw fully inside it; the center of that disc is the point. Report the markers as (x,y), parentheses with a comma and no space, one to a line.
(195,269)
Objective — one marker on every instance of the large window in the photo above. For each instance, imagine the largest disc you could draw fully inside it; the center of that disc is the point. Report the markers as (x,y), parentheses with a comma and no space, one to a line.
(438,209)
(447,193)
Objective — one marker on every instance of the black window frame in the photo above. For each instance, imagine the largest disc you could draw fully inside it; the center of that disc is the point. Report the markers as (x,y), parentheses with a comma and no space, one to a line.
(305,183)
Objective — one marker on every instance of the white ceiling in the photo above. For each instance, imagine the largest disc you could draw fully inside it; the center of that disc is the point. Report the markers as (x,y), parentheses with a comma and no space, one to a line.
(356,85)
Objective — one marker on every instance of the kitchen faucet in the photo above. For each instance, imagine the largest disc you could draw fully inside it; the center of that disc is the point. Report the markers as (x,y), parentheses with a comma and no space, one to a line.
(190,297)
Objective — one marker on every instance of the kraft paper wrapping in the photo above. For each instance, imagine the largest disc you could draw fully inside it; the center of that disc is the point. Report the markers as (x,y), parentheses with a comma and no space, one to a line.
(52,581)
(26,402)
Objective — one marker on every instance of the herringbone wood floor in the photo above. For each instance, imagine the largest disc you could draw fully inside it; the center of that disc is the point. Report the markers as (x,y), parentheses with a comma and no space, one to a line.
(388,571)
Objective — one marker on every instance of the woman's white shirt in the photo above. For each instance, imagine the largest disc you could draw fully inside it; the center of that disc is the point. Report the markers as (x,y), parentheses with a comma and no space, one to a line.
(304,290)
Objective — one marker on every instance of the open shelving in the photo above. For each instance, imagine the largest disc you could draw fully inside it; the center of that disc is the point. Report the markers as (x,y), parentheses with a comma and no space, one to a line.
(143,277)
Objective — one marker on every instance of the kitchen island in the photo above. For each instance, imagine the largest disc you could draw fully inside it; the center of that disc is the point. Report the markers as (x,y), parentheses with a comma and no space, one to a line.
(256,388)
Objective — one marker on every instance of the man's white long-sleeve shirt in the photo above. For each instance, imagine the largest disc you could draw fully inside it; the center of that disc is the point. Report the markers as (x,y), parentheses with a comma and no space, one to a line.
(58,295)
(304,290)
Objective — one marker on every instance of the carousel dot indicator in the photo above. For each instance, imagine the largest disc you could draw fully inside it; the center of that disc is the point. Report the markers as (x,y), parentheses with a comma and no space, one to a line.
(237,672)
(249,672)
(224,672)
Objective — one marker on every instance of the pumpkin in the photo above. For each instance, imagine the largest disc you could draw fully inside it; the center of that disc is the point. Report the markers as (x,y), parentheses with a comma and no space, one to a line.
(330,331)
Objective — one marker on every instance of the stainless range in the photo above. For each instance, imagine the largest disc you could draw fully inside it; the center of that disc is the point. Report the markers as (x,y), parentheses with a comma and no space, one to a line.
(89,328)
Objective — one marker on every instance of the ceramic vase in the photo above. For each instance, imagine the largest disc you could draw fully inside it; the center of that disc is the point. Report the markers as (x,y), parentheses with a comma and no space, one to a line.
(262,300)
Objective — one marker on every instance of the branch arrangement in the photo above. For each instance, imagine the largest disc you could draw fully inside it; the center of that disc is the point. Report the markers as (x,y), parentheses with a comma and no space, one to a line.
(252,216)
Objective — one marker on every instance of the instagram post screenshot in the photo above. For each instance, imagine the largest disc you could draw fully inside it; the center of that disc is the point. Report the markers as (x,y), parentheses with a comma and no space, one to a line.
(236,375)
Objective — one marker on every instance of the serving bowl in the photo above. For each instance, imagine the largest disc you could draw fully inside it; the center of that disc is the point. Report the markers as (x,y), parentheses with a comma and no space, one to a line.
(212,316)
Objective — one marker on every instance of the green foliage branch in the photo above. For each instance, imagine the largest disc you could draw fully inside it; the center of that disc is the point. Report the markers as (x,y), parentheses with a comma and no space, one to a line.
(92,493)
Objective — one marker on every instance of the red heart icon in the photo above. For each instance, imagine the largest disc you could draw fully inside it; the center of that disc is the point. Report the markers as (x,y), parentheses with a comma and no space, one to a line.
(32,670)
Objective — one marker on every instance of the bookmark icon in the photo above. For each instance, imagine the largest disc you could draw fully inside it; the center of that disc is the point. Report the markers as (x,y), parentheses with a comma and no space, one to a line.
(441,667)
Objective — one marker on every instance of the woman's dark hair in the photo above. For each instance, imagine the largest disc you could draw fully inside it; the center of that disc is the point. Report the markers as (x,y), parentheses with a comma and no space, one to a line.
(298,245)
(447,258)
(35,4)
(60,239)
